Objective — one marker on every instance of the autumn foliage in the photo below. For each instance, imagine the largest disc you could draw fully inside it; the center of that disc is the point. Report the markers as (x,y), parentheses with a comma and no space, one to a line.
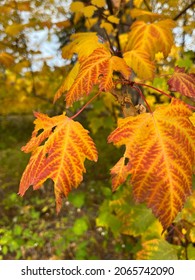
(159,141)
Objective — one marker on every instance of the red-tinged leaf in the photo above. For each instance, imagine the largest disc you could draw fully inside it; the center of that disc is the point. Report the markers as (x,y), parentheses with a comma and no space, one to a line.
(59,148)
(96,69)
(161,152)
(182,82)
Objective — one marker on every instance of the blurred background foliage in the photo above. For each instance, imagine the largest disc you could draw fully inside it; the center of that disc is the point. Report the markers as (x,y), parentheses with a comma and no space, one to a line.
(94,222)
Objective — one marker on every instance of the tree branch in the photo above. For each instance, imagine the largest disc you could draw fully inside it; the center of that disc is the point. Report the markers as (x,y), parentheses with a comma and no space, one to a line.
(184,10)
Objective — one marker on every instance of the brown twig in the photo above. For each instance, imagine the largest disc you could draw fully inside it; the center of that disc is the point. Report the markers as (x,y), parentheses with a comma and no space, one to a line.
(184,10)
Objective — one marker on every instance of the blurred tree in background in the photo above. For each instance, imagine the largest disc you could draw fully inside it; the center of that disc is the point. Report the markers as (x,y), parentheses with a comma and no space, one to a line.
(94,222)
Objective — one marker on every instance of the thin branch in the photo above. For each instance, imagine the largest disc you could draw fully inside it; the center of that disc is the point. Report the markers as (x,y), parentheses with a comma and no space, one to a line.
(147,6)
(85,106)
(184,10)
(162,92)
(143,97)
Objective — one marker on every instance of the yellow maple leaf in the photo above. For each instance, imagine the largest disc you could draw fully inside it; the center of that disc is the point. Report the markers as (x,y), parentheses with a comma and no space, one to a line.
(59,148)
(137,3)
(99,3)
(96,69)
(152,38)
(67,83)
(89,11)
(139,61)
(76,6)
(160,155)
(82,44)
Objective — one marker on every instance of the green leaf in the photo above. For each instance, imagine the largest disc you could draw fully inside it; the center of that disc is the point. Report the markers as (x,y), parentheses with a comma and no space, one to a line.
(80,226)
(157,249)
(77,199)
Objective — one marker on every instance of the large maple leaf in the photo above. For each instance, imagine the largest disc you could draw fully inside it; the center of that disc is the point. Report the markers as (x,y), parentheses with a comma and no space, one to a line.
(152,38)
(96,69)
(160,154)
(59,148)
(182,82)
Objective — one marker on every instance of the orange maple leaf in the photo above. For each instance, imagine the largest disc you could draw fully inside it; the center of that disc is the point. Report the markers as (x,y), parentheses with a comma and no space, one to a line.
(182,82)
(160,148)
(59,148)
(96,69)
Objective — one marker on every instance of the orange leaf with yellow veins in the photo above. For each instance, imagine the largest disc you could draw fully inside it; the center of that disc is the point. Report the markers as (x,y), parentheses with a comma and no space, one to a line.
(139,61)
(182,82)
(160,148)
(152,38)
(59,148)
(96,69)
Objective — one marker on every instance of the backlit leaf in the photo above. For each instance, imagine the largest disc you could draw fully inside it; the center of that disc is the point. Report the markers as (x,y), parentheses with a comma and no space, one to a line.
(89,11)
(113,19)
(69,80)
(160,154)
(182,82)
(152,38)
(139,61)
(99,3)
(76,6)
(82,44)
(96,69)
(59,148)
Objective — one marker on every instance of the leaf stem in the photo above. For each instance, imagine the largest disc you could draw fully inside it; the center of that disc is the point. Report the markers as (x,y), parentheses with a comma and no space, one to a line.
(143,97)
(85,106)
(145,85)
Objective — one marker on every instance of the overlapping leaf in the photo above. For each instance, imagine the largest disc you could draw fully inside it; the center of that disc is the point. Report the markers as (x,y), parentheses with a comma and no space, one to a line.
(83,44)
(182,82)
(140,62)
(59,148)
(96,69)
(160,154)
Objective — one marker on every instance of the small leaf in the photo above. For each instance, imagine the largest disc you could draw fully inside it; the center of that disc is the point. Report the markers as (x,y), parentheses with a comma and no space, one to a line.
(89,11)
(182,82)
(59,148)
(76,6)
(14,29)
(98,3)
(113,19)
(6,59)
(160,148)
